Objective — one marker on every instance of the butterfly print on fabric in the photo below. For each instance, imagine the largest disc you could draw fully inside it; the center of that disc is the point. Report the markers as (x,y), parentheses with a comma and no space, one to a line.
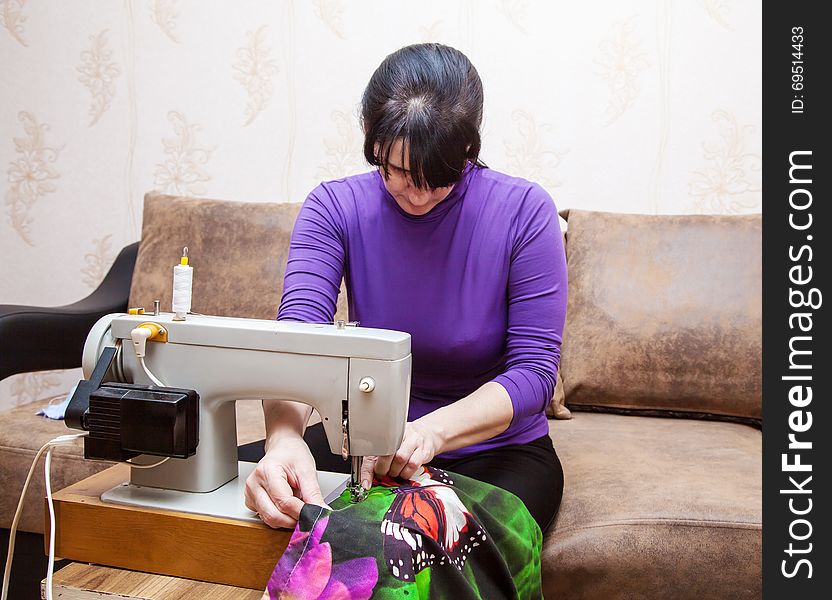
(427,507)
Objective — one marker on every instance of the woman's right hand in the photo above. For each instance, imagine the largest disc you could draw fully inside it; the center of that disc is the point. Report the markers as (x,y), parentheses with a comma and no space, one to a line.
(283,481)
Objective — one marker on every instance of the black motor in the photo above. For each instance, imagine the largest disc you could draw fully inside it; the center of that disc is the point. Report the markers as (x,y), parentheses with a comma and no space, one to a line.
(126,419)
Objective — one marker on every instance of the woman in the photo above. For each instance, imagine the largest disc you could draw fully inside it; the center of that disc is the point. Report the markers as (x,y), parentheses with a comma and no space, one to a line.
(467,260)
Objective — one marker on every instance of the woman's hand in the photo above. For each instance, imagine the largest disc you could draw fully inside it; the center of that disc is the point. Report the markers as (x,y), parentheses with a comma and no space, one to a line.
(419,445)
(284,479)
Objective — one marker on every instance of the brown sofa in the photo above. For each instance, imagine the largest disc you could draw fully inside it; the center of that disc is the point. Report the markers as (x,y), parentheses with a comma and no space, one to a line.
(661,368)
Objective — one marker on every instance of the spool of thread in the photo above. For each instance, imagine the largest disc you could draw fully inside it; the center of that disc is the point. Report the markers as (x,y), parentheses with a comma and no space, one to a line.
(183,279)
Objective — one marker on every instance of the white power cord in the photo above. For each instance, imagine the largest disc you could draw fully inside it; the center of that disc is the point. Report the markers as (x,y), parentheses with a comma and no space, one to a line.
(139,336)
(152,377)
(47,472)
(150,466)
(47,447)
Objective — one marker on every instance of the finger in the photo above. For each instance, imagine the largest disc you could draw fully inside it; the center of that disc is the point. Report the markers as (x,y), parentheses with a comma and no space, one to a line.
(310,490)
(400,461)
(401,458)
(382,466)
(248,496)
(268,511)
(282,496)
(367,466)
(417,459)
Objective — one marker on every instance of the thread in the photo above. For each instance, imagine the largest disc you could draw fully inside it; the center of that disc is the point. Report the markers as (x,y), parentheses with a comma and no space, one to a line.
(183,279)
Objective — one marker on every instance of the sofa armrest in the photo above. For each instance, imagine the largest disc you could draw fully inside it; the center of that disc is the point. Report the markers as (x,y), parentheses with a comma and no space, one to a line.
(34,338)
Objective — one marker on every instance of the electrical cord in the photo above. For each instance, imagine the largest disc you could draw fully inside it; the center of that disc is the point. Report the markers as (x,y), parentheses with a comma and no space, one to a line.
(150,375)
(138,466)
(140,355)
(47,447)
(47,469)
(139,336)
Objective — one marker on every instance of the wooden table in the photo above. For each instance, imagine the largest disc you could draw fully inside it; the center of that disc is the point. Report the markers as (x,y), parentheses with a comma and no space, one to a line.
(78,581)
(195,547)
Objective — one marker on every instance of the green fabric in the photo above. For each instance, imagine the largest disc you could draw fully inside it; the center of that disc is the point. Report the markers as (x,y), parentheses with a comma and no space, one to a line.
(439,535)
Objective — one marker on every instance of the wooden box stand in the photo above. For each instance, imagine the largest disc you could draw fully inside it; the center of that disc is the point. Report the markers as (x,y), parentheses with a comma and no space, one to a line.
(178,544)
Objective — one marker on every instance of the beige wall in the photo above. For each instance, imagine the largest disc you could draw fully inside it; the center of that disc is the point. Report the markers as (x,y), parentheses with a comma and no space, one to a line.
(630,106)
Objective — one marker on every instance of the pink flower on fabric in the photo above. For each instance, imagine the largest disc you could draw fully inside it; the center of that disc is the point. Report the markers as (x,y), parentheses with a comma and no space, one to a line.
(305,571)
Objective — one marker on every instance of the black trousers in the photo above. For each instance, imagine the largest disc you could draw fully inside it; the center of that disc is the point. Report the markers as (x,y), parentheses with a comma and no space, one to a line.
(531,471)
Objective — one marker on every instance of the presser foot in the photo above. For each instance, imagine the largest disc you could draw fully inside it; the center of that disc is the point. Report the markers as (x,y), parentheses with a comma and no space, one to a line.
(357,491)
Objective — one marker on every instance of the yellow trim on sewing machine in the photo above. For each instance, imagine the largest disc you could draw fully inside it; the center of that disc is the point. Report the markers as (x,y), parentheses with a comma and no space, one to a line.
(160,334)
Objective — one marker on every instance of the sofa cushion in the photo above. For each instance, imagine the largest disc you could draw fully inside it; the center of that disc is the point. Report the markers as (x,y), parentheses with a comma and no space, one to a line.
(656,508)
(664,313)
(238,251)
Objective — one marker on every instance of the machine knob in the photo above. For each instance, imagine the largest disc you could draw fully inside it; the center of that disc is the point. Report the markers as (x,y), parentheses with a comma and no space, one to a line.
(367,384)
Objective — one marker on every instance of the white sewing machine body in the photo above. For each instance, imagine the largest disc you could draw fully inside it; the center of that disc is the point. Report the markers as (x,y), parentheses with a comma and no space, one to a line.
(329,367)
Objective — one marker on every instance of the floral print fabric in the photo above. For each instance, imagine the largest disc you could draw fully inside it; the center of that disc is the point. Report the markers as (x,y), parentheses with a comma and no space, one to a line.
(438,535)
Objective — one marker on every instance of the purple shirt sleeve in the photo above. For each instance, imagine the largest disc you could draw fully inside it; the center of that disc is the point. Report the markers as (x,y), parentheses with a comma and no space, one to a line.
(537,292)
(315,264)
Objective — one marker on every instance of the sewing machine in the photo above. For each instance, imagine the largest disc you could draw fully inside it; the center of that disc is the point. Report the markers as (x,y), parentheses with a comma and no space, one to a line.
(358,379)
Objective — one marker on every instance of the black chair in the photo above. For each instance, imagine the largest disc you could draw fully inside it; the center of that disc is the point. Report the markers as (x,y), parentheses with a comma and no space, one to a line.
(35,338)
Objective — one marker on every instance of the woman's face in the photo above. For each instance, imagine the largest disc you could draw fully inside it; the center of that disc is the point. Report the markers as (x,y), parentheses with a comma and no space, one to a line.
(413,200)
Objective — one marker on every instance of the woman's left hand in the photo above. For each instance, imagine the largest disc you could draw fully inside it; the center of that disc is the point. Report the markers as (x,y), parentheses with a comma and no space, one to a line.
(419,445)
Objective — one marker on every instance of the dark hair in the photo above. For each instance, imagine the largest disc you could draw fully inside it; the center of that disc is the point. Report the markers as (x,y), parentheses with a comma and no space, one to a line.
(430,96)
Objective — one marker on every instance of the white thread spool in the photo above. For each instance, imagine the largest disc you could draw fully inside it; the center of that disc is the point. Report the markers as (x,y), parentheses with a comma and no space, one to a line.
(183,279)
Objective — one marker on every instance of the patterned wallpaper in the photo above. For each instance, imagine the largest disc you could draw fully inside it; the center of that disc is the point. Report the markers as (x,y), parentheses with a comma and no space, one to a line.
(649,106)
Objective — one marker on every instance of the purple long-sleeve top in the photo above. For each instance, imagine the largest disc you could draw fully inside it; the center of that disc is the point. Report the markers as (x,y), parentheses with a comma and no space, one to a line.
(479,282)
